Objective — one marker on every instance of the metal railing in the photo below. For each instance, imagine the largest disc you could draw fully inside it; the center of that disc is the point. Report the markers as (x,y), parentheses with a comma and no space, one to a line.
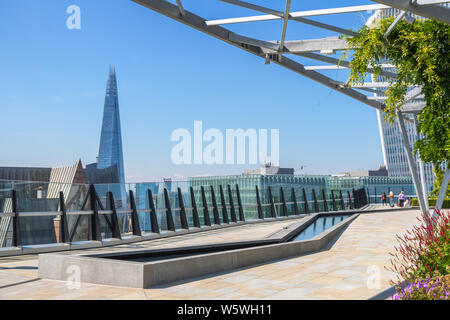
(224,213)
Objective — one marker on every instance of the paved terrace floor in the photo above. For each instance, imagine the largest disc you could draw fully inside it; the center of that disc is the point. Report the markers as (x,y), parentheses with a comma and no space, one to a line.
(340,271)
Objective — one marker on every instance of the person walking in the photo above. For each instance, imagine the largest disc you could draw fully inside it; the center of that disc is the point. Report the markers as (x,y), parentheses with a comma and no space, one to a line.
(384,199)
(391,198)
(401,199)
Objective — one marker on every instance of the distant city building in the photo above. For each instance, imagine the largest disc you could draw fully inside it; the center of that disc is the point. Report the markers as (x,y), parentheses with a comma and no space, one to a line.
(40,192)
(268,169)
(380,172)
(110,153)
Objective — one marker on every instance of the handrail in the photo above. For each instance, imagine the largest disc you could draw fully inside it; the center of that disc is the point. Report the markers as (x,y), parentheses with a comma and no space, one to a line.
(217,212)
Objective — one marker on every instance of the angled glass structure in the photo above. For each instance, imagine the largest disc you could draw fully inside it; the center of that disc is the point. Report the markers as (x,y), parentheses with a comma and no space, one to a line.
(110,152)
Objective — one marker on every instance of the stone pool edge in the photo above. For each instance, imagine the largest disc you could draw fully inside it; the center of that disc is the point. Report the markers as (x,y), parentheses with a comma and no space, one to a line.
(146,275)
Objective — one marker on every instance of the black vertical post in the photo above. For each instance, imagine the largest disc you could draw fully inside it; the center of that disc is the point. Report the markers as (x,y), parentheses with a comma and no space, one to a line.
(355,202)
(294,199)
(114,221)
(305,201)
(272,205)
(258,204)
(241,210)
(342,200)
(232,210)
(183,218)
(283,202)
(350,206)
(375,190)
(63,225)
(169,217)
(215,209)
(194,209)
(325,204)
(316,205)
(134,216)
(368,195)
(16,239)
(94,219)
(153,217)
(224,206)
(205,208)
(334,201)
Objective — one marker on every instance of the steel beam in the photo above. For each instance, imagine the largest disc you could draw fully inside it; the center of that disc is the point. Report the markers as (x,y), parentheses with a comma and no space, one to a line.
(298,14)
(196,22)
(343,63)
(298,19)
(432,11)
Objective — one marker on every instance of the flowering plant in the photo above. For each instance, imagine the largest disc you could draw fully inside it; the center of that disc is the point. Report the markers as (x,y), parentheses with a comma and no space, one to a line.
(434,288)
(422,259)
(424,250)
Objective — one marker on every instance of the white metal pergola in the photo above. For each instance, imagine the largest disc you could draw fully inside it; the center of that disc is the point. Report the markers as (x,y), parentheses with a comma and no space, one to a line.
(277,51)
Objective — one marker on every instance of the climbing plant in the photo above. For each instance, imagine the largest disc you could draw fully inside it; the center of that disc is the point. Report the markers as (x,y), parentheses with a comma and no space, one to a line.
(420,52)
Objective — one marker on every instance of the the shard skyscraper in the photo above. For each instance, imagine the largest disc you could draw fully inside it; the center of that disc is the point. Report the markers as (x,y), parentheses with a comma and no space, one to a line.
(110,152)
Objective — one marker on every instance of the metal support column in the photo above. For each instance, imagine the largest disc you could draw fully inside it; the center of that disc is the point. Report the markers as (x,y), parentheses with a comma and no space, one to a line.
(16,238)
(294,199)
(316,205)
(325,204)
(258,204)
(342,200)
(443,191)
(194,209)
(134,216)
(334,201)
(350,206)
(241,210)
(114,221)
(183,218)
(272,204)
(169,217)
(411,163)
(422,173)
(232,209)
(283,202)
(206,217)
(215,209)
(153,217)
(305,201)
(94,220)
(224,206)
(63,225)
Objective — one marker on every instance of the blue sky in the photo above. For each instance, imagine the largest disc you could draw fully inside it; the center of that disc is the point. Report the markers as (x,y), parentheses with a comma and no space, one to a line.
(52,86)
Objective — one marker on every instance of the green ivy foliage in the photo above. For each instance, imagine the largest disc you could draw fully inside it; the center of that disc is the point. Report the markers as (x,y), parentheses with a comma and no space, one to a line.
(420,51)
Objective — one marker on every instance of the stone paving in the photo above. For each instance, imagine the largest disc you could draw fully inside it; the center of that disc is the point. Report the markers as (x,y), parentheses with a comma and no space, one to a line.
(346,269)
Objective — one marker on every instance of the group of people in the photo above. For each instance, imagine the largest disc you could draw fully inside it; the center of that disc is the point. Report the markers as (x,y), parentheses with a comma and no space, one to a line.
(402,200)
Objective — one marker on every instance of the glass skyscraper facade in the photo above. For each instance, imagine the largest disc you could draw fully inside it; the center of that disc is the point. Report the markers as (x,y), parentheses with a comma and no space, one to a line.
(110,152)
